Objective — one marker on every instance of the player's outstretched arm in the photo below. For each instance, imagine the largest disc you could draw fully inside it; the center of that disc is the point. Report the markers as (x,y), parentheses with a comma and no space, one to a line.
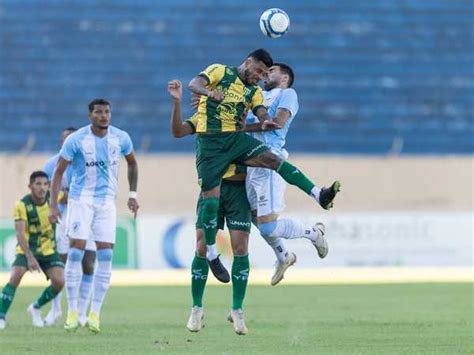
(132,203)
(54,214)
(178,127)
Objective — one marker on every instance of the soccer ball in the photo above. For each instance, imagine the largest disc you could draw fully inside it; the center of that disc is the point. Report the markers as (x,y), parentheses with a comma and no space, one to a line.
(274,23)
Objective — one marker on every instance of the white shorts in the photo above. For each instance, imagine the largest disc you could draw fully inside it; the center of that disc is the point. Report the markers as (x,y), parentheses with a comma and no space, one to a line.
(63,241)
(265,191)
(89,222)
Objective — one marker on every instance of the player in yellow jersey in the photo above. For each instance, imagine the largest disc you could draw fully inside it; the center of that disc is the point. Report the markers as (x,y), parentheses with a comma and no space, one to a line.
(226,93)
(234,208)
(36,249)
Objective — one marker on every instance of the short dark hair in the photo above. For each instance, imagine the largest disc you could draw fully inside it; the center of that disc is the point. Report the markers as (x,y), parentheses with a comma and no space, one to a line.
(98,102)
(71,129)
(263,56)
(284,68)
(37,174)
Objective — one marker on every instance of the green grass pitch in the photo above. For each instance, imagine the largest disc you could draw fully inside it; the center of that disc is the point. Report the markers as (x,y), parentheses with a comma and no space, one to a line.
(336,319)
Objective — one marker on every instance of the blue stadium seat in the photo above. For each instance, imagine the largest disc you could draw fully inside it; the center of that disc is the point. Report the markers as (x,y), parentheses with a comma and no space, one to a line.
(367,73)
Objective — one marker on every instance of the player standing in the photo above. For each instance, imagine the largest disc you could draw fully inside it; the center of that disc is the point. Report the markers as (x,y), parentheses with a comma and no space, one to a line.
(235,209)
(94,152)
(36,249)
(265,188)
(62,242)
(226,92)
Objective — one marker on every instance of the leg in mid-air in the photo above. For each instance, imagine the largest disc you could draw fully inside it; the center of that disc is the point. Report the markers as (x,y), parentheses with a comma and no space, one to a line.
(240,275)
(266,194)
(199,273)
(293,176)
(207,210)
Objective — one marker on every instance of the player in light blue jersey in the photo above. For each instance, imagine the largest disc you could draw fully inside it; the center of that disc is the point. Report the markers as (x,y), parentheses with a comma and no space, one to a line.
(94,153)
(62,244)
(266,188)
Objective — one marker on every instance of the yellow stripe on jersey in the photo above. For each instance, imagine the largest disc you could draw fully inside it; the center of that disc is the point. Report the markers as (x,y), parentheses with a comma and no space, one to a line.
(39,232)
(224,116)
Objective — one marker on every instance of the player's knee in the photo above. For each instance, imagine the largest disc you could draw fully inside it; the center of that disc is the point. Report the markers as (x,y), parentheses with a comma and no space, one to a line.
(271,160)
(58,282)
(210,205)
(75,254)
(15,279)
(241,249)
(201,248)
(266,229)
(88,262)
(104,255)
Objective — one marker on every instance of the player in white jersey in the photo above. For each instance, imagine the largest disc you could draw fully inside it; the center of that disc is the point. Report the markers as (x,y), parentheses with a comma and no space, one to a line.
(94,152)
(266,188)
(62,243)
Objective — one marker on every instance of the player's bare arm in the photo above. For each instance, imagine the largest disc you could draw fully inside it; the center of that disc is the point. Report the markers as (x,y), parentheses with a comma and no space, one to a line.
(54,214)
(20,228)
(265,119)
(132,171)
(198,85)
(178,127)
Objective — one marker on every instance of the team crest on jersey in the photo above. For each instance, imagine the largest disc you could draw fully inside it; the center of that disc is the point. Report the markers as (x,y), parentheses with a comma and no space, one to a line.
(75,226)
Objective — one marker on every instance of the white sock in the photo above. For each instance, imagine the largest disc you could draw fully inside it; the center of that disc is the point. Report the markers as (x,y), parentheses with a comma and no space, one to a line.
(211,252)
(290,229)
(56,303)
(315,191)
(85,291)
(278,248)
(73,273)
(102,276)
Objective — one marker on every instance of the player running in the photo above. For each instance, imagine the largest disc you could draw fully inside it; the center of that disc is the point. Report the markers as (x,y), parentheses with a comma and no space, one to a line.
(94,153)
(234,207)
(36,249)
(62,242)
(226,92)
(265,188)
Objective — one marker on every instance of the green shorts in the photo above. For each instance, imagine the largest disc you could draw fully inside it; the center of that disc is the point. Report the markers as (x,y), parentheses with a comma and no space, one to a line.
(214,154)
(233,206)
(45,262)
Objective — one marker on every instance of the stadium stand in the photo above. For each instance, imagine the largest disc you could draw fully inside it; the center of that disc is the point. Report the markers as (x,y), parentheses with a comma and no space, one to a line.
(373,77)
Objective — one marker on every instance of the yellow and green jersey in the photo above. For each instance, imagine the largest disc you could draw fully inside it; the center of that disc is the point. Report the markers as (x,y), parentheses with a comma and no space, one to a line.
(39,232)
(234,169)
(224,116)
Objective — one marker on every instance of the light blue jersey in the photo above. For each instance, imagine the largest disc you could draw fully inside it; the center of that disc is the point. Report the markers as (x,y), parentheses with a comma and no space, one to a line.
(49,168)
(275,99)
(95,163)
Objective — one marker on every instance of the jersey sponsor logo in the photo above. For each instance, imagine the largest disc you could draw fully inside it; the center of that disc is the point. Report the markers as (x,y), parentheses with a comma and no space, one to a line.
(239,223)
(244,275)
(101,163)
(250,152)
(95,163)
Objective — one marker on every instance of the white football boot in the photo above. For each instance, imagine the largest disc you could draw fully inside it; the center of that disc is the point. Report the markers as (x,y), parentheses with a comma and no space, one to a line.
(281,267)
(321,244)
(3,324)
(35,314)
(236,316)
(195,323)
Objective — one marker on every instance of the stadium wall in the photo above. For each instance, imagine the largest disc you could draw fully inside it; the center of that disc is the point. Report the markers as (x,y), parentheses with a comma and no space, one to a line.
(168,183)
(410,212)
